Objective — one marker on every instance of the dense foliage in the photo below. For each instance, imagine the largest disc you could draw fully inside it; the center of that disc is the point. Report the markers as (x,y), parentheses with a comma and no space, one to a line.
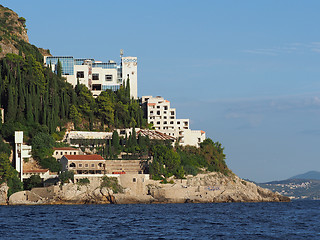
(7,173)
(32,182)
(112,183)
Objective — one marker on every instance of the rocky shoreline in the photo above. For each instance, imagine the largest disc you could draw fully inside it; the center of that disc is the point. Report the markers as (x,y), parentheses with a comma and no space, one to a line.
(203,188)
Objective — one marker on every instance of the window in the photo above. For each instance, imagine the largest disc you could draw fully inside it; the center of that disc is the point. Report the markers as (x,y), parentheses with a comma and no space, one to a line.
(108,77)
(178,122)
(164,117)
(92,164)
(75,153)
(158,122)
(80,74)
(165,107)
(151,112)
(72,165)
(56,153)
(172,112)
(158,106)
(95,76)
(134,179)
(96,87)
(80,165)
(158,112)
(165,122)
(61,153)
(171,122)
(86,165)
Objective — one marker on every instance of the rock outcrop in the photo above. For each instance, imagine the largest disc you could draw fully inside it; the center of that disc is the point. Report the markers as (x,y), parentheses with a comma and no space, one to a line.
(67,194)
(213,187)
(203,188)
(12,30)
(3,193)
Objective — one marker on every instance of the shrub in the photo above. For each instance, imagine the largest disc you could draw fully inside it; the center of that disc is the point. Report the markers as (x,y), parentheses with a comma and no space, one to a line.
(32,182)
(111,182)
(83,181)
(66,176)
(50,163)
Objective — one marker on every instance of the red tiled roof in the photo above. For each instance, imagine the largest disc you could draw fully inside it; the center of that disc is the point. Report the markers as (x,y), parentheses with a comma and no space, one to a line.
(35,171)
(202,132)
(84,157)
(151,104)
(64,148)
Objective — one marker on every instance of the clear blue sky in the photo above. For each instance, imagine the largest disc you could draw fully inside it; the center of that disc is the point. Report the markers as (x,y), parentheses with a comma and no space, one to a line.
(246,72)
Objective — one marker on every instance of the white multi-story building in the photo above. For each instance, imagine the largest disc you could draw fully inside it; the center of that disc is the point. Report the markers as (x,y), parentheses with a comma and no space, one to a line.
(98,76)
(21,152)
(163,117)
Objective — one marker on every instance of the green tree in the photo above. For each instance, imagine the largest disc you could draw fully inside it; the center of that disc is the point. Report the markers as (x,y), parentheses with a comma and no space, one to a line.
(42,146)
(74,115)
(105,108)
(32,182)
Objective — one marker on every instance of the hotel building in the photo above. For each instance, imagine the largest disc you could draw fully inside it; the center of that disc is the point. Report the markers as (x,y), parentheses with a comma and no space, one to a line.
(163,117)
(98,76)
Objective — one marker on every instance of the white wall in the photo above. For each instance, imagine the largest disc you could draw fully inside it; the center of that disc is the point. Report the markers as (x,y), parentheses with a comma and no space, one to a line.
(130,68)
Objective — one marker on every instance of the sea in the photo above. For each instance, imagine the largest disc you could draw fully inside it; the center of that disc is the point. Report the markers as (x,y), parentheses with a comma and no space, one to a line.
(293,220)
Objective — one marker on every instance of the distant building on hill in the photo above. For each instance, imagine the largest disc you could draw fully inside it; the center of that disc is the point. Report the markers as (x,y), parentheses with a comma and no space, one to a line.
(163,117)
(98,76)
(59,152)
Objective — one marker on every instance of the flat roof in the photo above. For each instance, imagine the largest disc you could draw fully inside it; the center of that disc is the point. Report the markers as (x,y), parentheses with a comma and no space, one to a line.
(84,157)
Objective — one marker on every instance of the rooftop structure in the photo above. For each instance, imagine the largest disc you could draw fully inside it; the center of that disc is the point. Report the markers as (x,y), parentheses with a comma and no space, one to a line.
(159,113)
(98,76)
(155,135)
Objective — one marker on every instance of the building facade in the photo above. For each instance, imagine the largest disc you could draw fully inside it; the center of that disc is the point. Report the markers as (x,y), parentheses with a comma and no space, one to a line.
(59,152)
(84,164)
(159,113)
(21,152)
(98,76)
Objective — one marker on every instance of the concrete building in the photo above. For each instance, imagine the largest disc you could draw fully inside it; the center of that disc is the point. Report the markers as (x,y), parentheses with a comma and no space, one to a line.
(43,173)
(98,76)
(84,164)
(59,152)
(21,152)
(159,113)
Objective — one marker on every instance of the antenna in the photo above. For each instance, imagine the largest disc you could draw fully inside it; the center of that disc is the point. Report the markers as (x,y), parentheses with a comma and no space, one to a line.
(121,53)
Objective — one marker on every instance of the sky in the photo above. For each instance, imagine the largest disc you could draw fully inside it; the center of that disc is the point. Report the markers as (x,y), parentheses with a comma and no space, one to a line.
(246,72)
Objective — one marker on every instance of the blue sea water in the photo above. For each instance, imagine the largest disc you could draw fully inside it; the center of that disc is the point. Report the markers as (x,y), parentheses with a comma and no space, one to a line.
(294,220)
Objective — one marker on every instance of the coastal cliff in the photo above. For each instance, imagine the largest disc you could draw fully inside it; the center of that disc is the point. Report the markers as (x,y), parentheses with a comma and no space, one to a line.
(203,188)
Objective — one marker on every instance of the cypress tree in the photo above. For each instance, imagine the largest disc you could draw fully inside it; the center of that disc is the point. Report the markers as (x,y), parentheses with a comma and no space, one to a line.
(59,69)
(128,89)
(29,108)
